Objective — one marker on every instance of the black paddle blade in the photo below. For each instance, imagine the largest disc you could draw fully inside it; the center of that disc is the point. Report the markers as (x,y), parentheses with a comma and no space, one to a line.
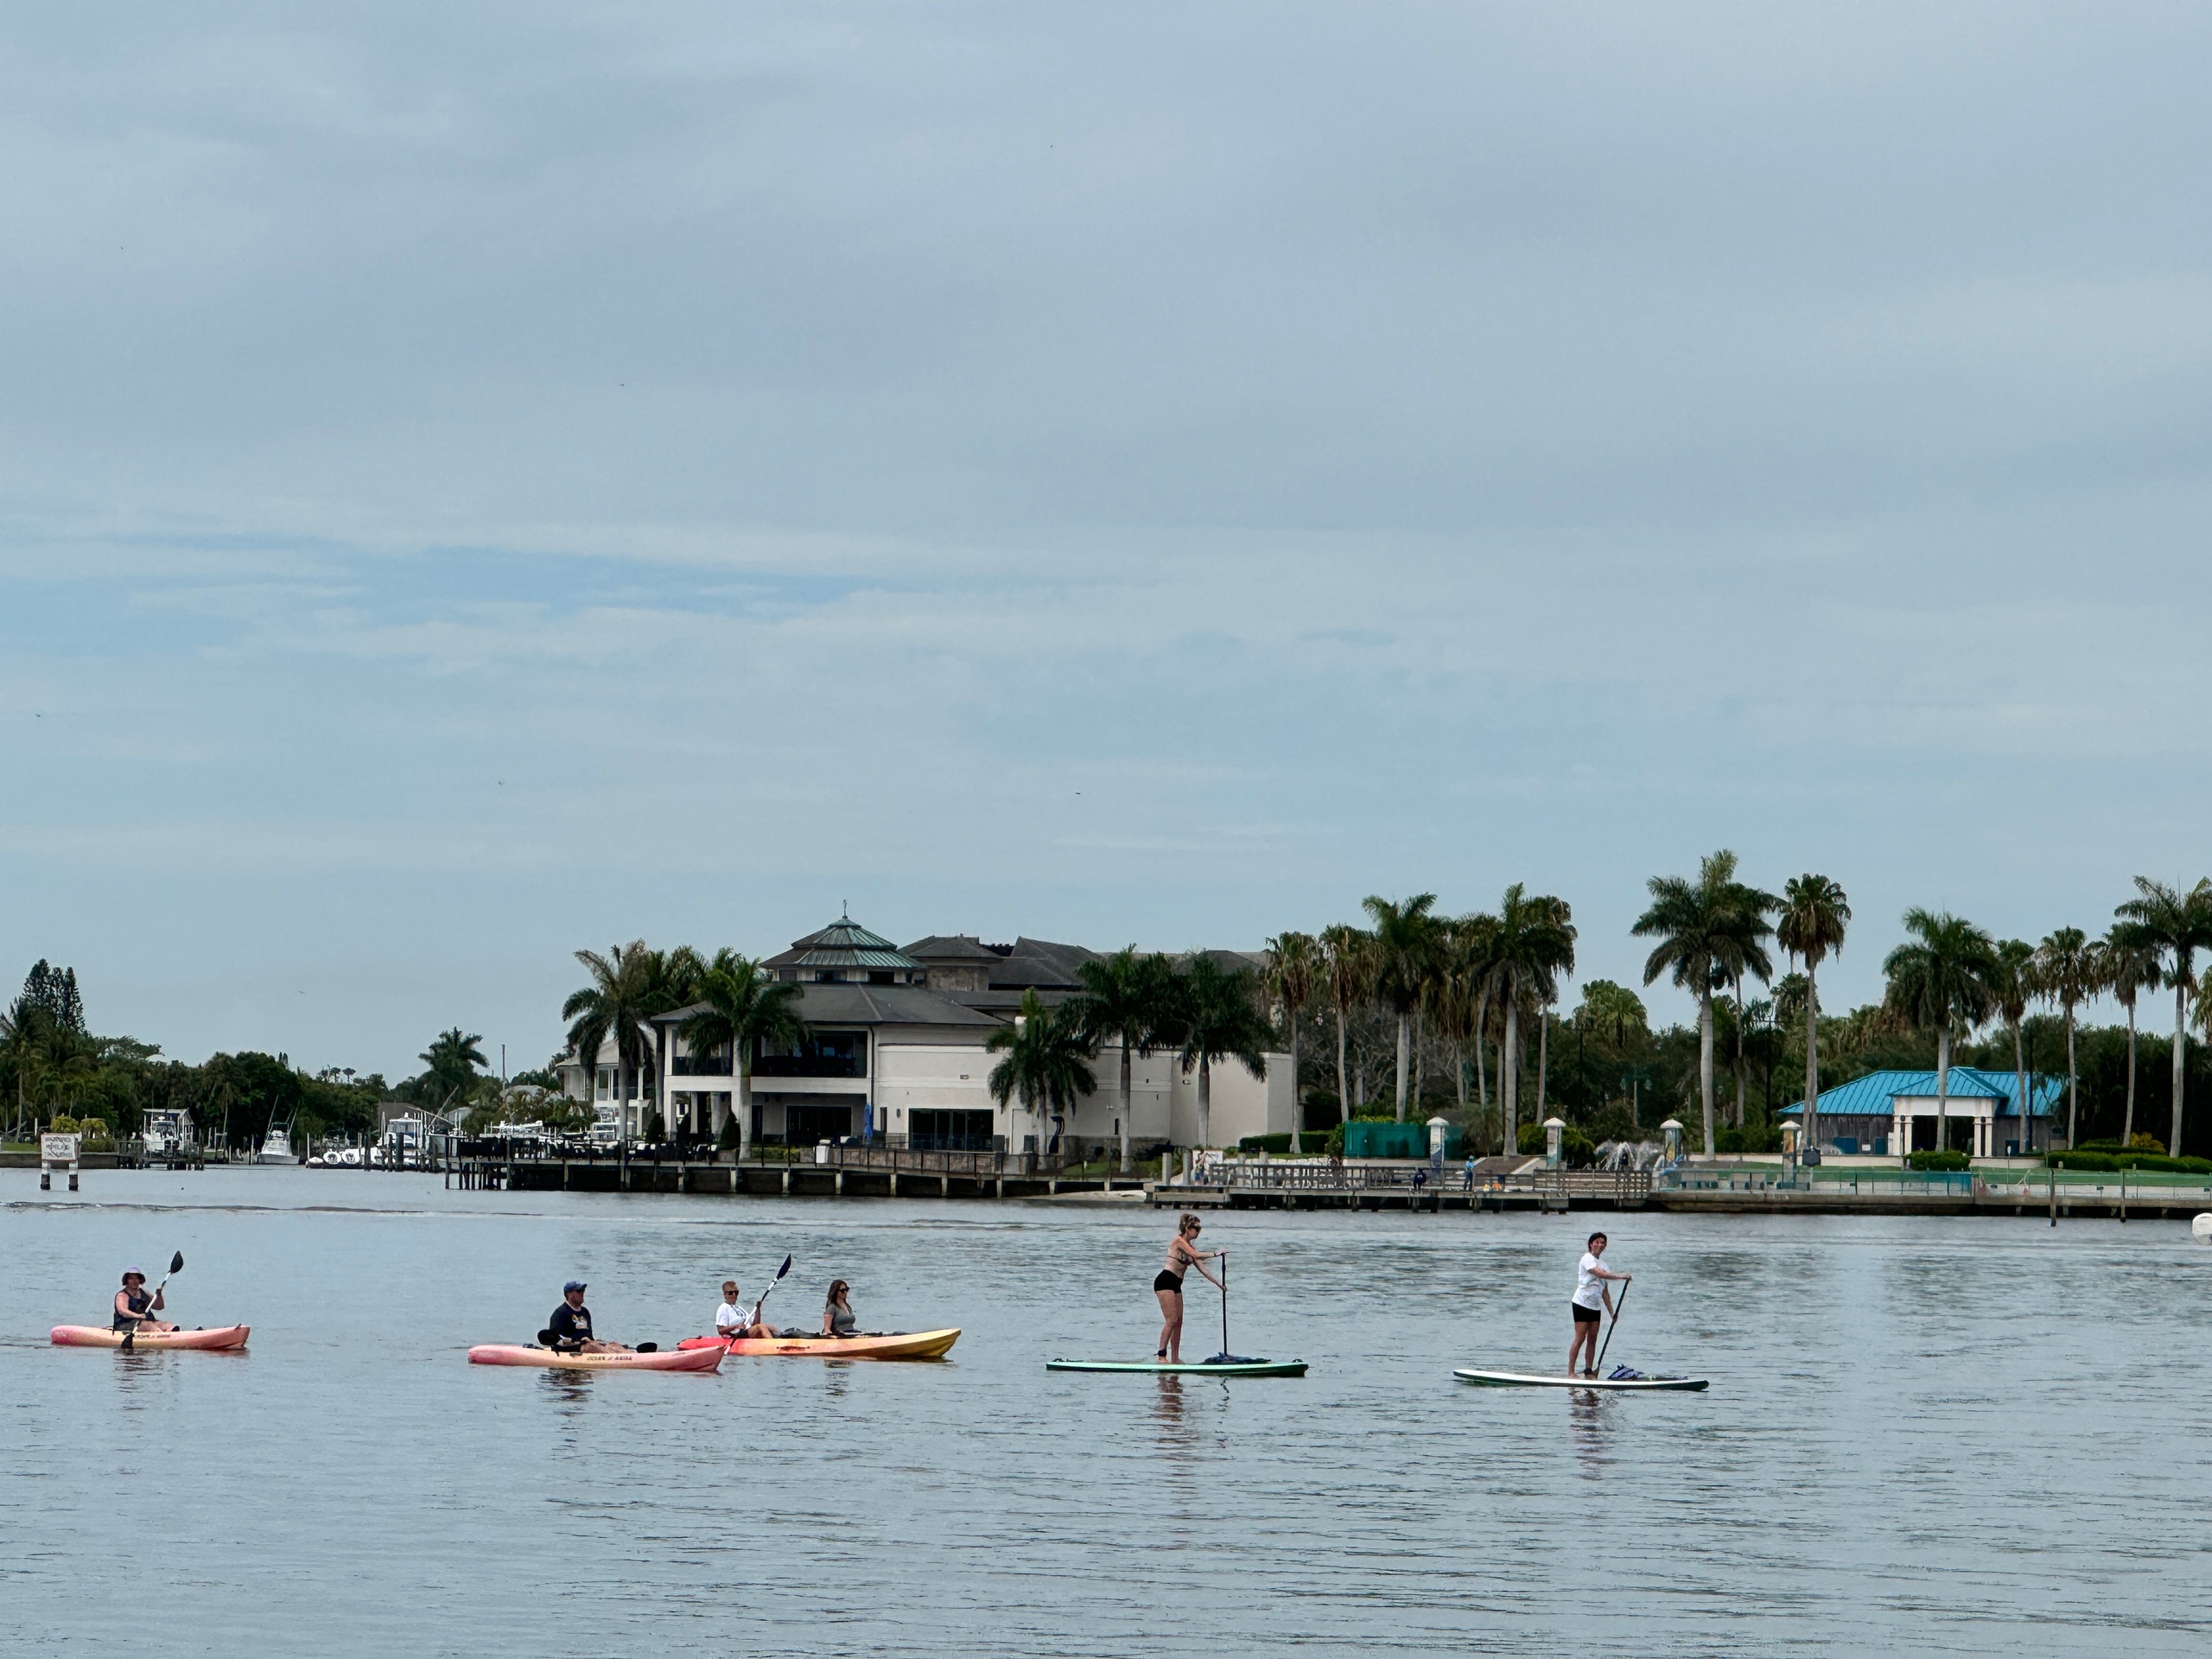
(176,1262)
(786,1268)
(649,1347)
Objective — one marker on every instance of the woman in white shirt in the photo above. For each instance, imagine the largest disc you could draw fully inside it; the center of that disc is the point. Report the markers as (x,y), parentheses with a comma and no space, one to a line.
(1592,1301)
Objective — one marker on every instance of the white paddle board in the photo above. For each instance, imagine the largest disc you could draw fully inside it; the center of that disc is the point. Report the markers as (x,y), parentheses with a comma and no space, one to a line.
(1558,1380)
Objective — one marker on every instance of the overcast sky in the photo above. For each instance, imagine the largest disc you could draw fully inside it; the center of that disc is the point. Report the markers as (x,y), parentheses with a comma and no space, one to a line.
(481,481)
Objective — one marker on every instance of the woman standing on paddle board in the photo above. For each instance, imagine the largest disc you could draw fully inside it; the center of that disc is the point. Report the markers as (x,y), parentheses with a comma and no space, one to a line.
(1183,1254)
(1592,1301)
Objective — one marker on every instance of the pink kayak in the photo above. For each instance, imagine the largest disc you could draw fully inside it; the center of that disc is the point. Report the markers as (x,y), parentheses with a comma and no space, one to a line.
(500,1353)
(99,1336)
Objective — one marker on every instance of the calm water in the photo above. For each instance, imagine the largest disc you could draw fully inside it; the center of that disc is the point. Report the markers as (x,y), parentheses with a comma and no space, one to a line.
(1969,1437)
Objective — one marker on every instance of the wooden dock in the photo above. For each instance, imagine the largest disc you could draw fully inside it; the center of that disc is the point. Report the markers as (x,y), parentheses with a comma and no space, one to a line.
(874,1173)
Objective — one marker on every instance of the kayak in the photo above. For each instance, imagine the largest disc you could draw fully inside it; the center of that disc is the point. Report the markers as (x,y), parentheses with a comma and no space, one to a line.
(668,1359)
(1637,1384)
(99,1336)
(874,1344)
(1230,1366)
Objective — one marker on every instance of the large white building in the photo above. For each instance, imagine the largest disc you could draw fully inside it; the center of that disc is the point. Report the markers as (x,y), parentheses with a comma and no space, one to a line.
(895,1051)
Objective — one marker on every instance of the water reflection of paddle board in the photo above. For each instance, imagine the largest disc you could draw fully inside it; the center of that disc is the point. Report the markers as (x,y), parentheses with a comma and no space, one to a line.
(1635,1382)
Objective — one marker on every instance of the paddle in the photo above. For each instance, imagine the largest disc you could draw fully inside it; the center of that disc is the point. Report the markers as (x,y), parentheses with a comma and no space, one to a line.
(176,1266)
(773,1283)
(1610,1329)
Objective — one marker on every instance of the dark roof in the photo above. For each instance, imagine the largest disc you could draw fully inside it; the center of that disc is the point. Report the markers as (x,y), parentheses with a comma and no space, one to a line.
(866,1005)
(956,947)
(1229,961)
(1040,963)
(1006,998)
(844,944)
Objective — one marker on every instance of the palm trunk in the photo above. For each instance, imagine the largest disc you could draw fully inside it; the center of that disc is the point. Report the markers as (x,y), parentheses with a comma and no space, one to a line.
(2127,1133)
(1481,1064)
(1460,1075)
(2020,1085)
(1343,1072)
(1812,1056)
(1405,1038)
(2181,1050)
(1297,1108)
(1420,1068)
(2072,1080)
(1509,1080)
(1943,1090)
(1543,1060)
(1125,1046)
(1205,1103)
(1740,1052)
(744,1102)
(1705,1060)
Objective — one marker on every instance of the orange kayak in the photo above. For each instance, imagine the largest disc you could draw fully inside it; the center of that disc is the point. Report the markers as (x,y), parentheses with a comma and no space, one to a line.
(499,1353)
(887,1345)
(99,1336)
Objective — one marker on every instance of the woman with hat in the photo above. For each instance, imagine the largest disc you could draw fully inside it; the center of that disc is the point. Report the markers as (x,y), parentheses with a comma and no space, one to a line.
(135,1304)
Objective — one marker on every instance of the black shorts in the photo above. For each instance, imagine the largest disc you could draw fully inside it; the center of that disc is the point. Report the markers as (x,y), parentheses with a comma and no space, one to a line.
(1166,1281)
(1585,1315)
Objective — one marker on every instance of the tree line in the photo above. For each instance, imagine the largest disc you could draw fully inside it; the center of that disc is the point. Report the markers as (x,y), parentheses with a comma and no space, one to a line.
(1467,988)
(54,1069)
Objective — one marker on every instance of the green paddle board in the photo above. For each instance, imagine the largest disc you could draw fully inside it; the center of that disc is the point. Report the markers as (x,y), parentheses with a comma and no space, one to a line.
(1200,1368)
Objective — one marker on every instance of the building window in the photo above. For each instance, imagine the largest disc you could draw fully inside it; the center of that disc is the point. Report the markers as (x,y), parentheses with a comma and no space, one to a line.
(820,1054)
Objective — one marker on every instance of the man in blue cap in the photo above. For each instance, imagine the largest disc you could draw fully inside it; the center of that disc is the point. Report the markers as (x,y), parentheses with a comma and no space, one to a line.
(570,1329)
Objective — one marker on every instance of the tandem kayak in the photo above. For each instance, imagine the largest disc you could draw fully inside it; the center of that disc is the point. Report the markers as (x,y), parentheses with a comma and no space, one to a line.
(874,1344)
(668,1359)
(1638,1383)
(99,1336)
(1230,1366)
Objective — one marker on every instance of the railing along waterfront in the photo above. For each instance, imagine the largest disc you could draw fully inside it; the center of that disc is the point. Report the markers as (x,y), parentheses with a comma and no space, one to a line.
(1360,1175)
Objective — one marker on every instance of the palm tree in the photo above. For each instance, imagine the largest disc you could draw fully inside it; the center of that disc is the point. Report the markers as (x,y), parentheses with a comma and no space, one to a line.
(743,1008)
(629,986)
(1407,939)
(1046,1062)
(2177,925)
(1532,944)
(2131,967)
(2068,973)
(1815,914)
(1942,981)
(1348,975)
(1461,994)
(1122,1000)
(1605,1005)
(1703,930)
(2013,985)
(1293,968)
(1217,1017)
(453,1061)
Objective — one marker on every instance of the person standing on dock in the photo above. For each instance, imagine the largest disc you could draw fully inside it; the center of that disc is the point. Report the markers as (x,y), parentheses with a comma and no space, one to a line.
(1593,1299)
(1183,1254)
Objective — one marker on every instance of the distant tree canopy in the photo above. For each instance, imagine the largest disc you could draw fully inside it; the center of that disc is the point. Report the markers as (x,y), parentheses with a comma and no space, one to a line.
(52,1066)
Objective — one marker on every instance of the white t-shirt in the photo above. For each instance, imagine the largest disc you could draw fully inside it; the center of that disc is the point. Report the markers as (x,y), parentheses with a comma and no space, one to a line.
(729,1317)
(1589,1289)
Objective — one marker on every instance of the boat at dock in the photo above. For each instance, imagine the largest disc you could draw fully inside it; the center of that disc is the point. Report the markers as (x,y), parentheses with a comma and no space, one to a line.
(874,1345)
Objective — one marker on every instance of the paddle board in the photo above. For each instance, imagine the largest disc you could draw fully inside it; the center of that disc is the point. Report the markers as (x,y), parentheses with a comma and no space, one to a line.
(1200,1368)
(1525,1380)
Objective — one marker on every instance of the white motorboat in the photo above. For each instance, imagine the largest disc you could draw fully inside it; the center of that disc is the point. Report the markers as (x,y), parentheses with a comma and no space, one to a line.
(277,1146)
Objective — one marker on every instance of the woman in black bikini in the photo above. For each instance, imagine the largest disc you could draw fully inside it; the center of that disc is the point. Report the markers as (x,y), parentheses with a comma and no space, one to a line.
(1167,1285)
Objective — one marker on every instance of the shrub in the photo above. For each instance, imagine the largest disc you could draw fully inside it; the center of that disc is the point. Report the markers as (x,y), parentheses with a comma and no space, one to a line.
(726,1141)
(1267,1143)
(1753,1137)
(2109,1163)
(1938,1160)
(64,1124)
